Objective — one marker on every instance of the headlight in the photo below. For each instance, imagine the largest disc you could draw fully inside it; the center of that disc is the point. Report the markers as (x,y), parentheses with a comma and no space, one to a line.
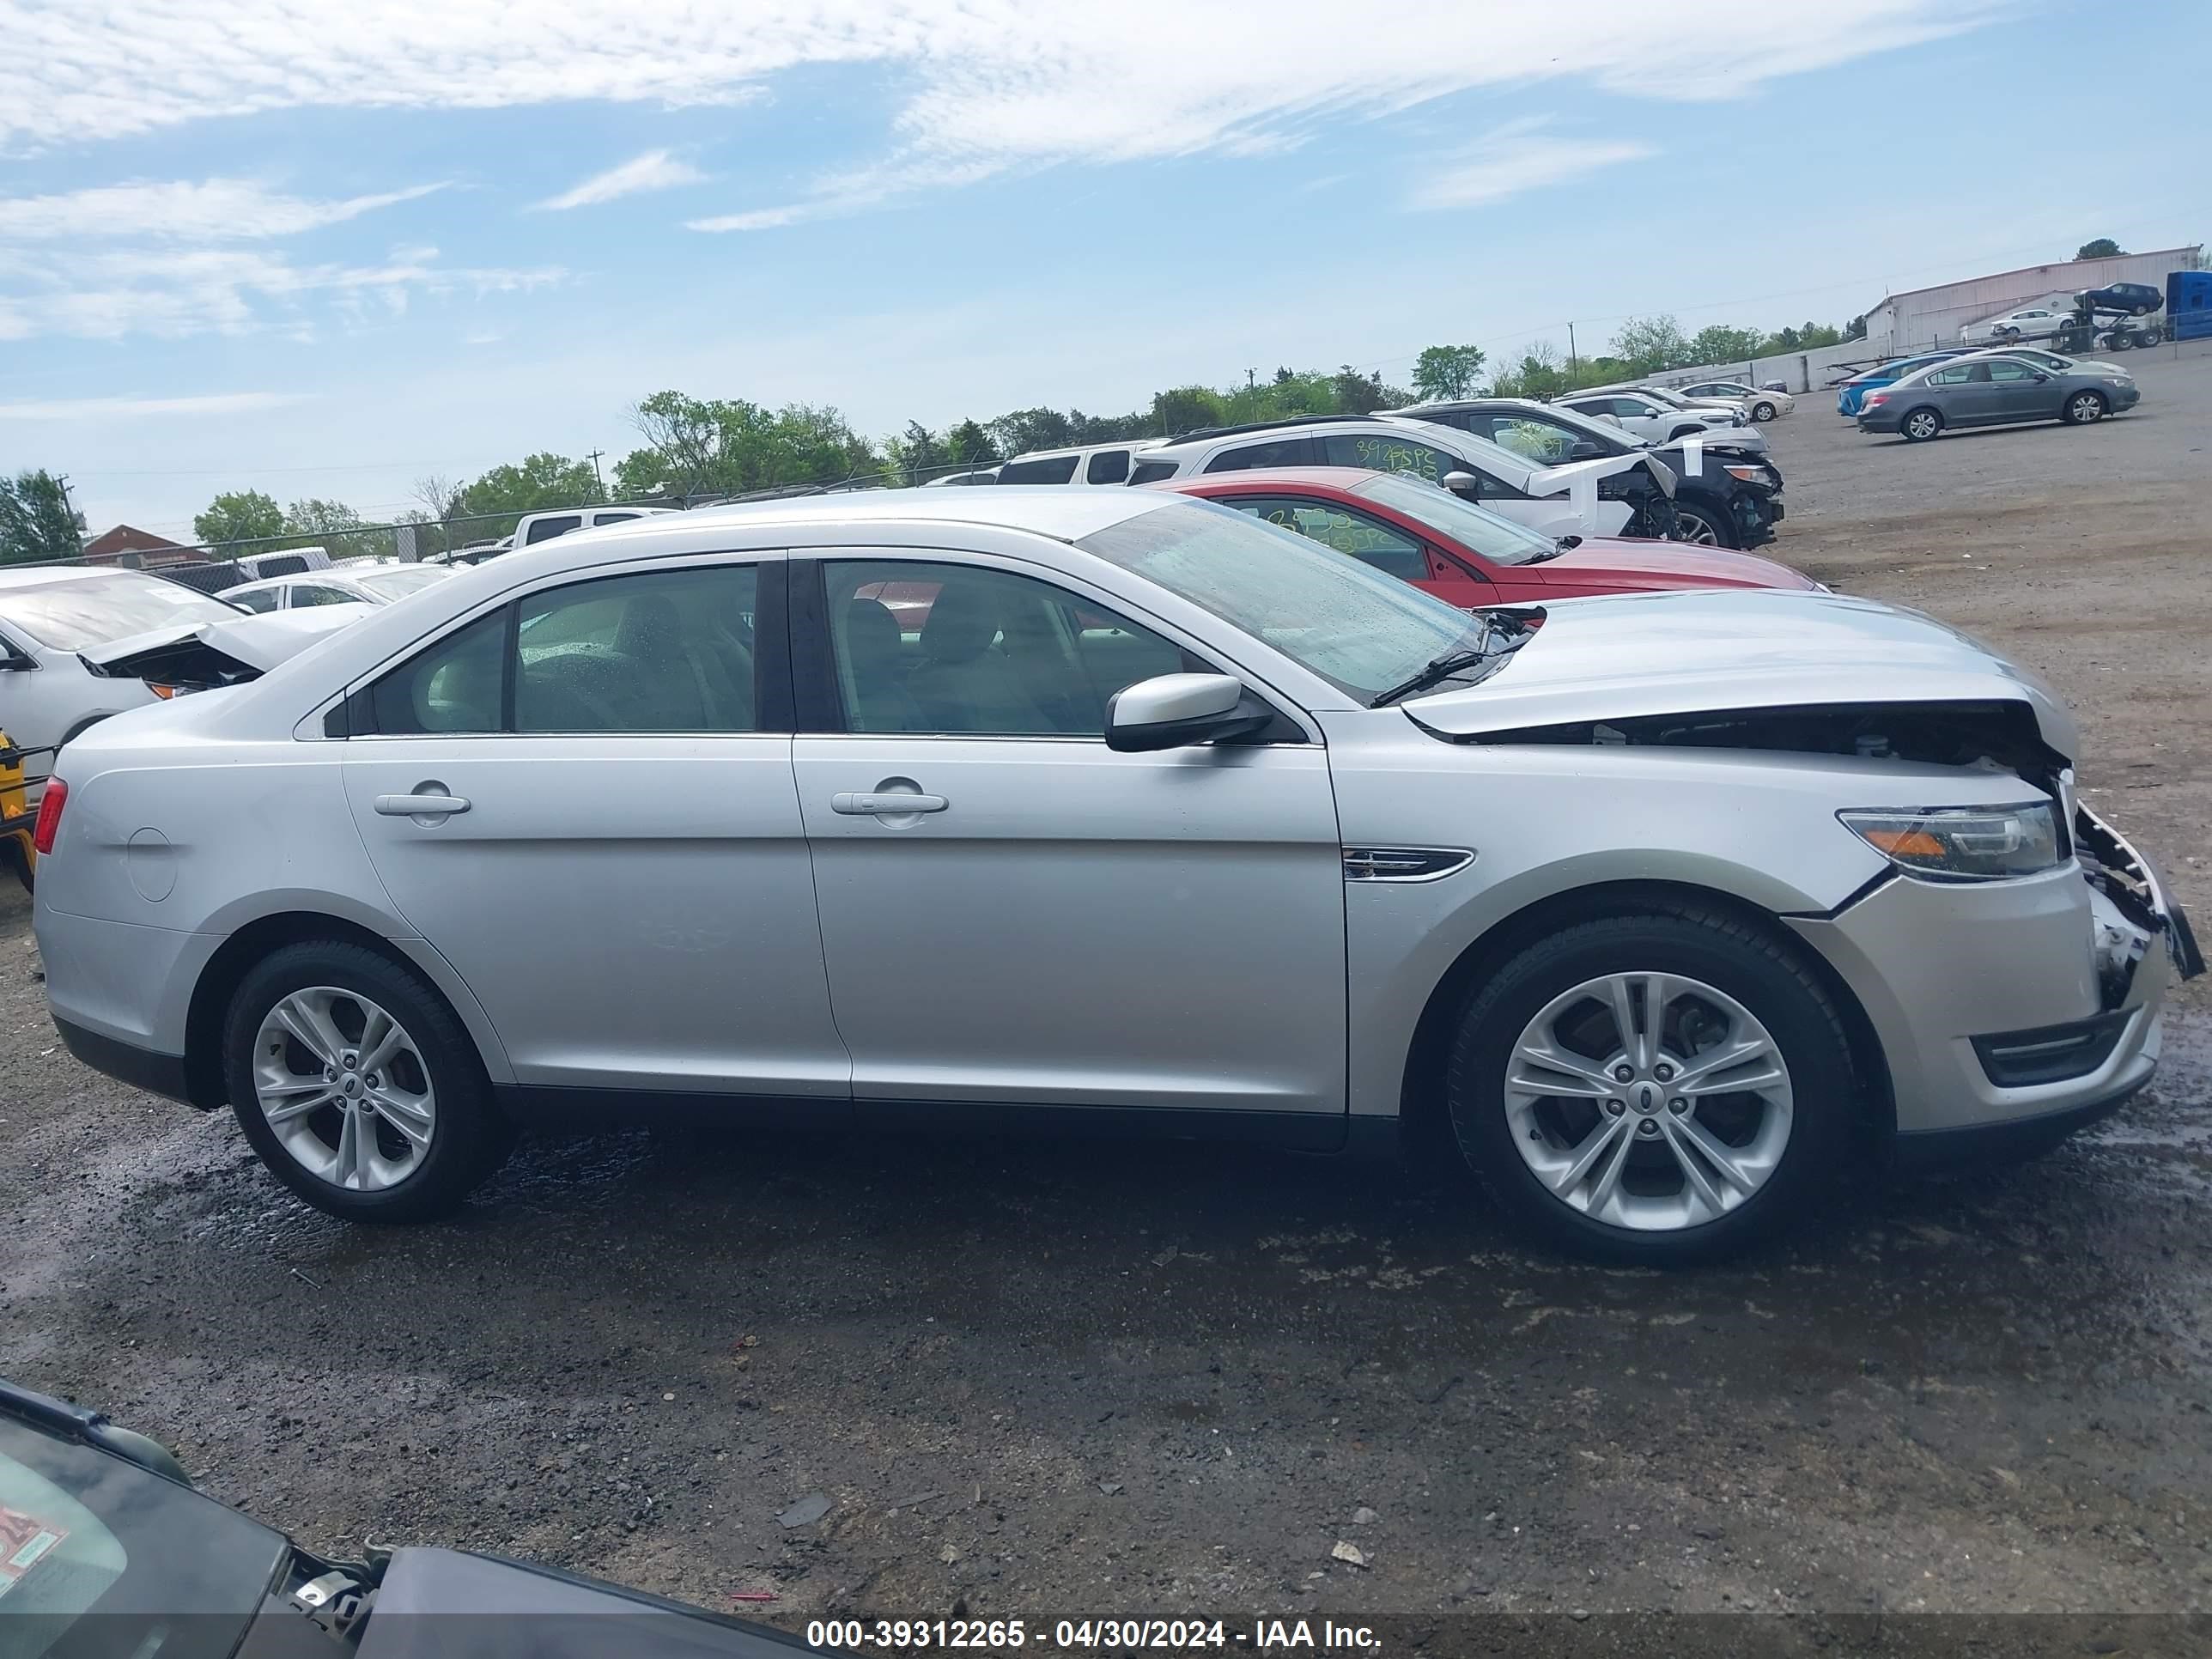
(1962,843)
(1749,474)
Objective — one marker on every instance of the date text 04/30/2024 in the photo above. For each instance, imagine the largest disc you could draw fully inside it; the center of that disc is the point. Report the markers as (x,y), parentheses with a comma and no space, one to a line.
(1078,1635)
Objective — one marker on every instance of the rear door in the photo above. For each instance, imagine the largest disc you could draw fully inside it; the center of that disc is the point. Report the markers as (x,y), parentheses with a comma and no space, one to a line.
(608,846)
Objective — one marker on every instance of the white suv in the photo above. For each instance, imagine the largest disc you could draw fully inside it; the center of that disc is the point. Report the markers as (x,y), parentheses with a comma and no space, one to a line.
(1544,498)
(1663,418)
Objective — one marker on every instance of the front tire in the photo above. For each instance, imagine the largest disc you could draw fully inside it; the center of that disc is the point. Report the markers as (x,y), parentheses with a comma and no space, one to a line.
(357,1085)
(1921,425)
(1761,412)
(1738,1096)
(2084,409)
(1702,526)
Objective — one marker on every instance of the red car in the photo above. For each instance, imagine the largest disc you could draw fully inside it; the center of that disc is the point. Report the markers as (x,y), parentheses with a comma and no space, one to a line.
(1463,553)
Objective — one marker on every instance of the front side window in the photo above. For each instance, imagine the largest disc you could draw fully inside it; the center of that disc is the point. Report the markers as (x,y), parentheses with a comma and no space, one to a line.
(1107,466)
(1353,626)
(654,652)
(928,648)
(1367,538)
(546,529)
(260,600)
(1536,441)
(1389,454)
(316,593)
(2014,371)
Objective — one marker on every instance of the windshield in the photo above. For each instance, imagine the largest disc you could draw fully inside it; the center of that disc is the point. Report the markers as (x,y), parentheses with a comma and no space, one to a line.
(1360,630)
(1476,528)
(72,611)
(391,584)
(139,1563)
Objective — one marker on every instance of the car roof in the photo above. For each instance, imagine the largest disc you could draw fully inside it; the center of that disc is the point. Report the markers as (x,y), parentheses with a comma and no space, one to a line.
(1347,479)
(1064,513)
(37,575)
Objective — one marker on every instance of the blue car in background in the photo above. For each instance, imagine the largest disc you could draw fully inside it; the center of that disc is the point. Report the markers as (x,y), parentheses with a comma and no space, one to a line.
(1850,396)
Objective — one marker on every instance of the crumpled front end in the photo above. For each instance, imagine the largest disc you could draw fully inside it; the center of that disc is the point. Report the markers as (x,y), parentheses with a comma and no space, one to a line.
(2027,1005)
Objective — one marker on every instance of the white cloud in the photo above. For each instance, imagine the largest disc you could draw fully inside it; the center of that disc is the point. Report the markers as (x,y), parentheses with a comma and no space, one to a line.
(986,84)
(88,408)
(654,170)
(1513,159)
(213,210)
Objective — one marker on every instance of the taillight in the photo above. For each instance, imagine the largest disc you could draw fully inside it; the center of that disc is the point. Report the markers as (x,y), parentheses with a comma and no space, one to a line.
(50,816)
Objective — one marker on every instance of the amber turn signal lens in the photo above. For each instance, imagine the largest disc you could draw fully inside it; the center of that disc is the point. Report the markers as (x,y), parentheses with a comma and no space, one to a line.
(1906,843)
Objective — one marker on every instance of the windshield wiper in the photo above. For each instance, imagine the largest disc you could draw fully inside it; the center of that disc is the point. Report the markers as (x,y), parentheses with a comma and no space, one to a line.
(1440,669)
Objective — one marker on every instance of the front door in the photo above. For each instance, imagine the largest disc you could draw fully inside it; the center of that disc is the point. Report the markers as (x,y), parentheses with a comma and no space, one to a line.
(608,849)
(1014,914)
(2019,393)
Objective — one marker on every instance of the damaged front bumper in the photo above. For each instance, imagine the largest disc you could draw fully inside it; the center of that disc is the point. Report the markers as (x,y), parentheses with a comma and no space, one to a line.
(2016,1009)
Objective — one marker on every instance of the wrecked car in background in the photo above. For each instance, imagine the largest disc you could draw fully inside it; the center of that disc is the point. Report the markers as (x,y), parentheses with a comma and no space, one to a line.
(1163,819)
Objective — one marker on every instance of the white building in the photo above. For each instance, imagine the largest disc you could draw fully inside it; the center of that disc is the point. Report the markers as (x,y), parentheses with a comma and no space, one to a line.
(1924,316)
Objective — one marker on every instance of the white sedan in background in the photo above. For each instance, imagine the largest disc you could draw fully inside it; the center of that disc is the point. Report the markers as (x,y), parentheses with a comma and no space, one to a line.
(2029,322)
(1761,406)
(361,584)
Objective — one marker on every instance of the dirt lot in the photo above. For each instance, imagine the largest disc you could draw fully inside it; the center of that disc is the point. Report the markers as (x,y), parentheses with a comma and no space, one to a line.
(1045,1380)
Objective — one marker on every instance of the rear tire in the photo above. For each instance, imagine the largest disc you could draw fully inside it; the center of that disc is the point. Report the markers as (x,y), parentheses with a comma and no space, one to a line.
(415,1133)
(2084,409)
(1920,425)
(1718,983)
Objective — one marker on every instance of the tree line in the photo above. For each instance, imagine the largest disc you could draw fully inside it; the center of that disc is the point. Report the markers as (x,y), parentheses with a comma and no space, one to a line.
(692,448)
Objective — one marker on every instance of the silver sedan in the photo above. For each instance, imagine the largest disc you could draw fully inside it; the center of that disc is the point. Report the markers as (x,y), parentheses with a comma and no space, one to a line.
(1111,810)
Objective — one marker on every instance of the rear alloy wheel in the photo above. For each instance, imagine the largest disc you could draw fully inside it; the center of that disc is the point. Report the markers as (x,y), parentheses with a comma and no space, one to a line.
(358,1086)
(1705,526)
(1652,1088)
(1762,412)
(1921,425)
(2084,409)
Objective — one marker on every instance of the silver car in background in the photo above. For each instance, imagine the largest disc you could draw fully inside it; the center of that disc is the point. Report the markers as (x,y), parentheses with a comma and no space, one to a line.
(1110,810)
(1990,389)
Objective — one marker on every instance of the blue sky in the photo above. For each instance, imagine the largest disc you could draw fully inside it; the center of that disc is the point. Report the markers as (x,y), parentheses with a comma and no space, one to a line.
(325,251)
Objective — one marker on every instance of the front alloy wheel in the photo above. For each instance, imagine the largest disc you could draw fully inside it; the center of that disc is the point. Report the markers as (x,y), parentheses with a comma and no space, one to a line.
(1763,412)
(1648,1101)
(2084,407)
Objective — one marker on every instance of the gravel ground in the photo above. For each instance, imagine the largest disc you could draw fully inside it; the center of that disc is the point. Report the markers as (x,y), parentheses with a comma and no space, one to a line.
(1116,1380)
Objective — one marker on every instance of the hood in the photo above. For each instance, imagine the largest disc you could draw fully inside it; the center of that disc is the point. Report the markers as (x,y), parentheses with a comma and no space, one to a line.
(222,652)
(1696,651)
(1644,564)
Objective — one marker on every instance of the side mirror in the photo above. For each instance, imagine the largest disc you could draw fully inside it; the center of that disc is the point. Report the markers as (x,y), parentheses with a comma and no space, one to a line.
(1462,484)
(1169,711)
(2040,376)
(1584,450)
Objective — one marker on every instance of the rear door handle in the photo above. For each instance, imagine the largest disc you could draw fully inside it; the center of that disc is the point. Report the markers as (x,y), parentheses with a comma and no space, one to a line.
(420,807)
(885,805)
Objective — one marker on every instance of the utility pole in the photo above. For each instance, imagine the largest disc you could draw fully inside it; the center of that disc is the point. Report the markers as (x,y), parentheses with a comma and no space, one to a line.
(1251,379)
(595,471)
(1570,348)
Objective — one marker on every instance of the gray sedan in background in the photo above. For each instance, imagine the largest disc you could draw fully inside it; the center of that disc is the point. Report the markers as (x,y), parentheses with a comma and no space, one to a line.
(1990,390)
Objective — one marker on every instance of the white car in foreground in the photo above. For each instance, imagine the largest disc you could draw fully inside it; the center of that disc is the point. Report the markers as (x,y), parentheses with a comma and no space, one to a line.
(1111,809)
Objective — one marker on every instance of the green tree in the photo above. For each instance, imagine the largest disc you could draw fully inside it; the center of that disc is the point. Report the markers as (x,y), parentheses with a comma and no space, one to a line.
(1442,372)
(1022,430)
(505,492)
(36,519)
(247,518)
(2102,247)
(916,455)
(1187,408)
(1537,374)
(330,525)
(1717,343)
(727,446)
(1363,394)
(1648,345)
(972,446)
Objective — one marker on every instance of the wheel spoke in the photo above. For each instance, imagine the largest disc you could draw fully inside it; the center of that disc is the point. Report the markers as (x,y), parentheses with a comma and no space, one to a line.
(1612,1129)
(276,1117)
(1722,1157)
(288,1087)
(1610,1178)
(350,1165)
(411,1118)
(1624,1019)
(1692,1167)
(312,1027)
(1549,1070)
(1694,1076)
(380,1039)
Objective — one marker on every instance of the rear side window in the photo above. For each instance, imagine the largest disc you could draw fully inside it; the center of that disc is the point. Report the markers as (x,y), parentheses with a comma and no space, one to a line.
(1151,471)
(1278,451)
(1046,470)
(546,529)
(279,564)
(612,518)
(262,599)
(1107,466)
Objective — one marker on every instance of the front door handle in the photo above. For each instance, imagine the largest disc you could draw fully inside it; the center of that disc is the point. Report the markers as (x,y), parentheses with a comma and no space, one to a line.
(895,805)
(429,803)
